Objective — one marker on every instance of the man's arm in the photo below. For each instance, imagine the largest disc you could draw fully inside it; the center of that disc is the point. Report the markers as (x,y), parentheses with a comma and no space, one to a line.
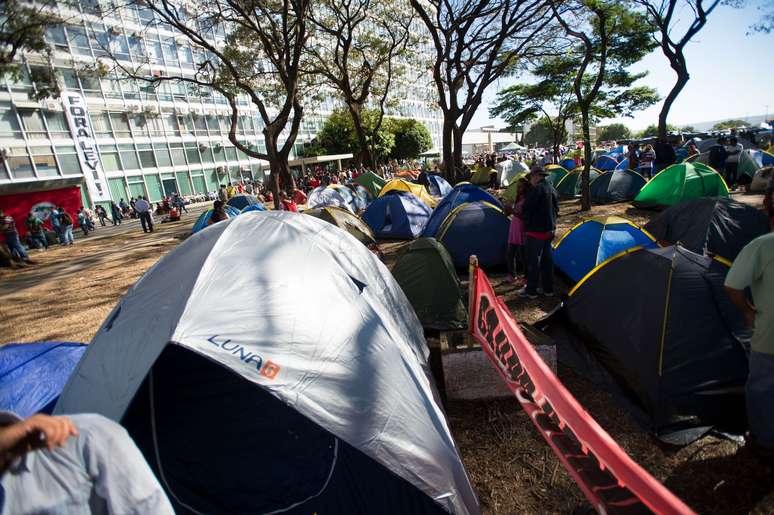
(36,432)
(739,299)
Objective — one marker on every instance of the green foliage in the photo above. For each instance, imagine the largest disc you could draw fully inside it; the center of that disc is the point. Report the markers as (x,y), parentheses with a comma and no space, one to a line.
(338,135)
(613,132)
(688,128)
(729,124)
(411,138)
(651,131)
(540,133)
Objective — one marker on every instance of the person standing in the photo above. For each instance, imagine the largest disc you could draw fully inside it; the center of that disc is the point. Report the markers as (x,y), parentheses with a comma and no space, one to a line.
(633,156)
(56,223)
(143,209)
(230,191)
(115,213)
(753,268)
(646,159)
(218,213)
(515,260)
(733,151)
(665,155)
(67,227)
(717,155)
(541,206)
(101,214)
(222,193)
(83,221)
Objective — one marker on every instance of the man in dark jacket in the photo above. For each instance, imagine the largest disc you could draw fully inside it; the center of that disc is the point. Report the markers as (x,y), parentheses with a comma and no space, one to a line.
(539,212)
(665,155)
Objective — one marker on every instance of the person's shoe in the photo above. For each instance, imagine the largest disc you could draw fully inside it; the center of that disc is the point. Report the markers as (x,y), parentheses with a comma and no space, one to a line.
(524,294)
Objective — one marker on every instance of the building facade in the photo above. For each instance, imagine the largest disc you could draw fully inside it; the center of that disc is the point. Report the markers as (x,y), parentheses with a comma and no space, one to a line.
(148,140)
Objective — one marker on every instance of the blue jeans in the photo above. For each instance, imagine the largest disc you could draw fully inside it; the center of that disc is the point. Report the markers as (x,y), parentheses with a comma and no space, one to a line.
(39,239)
(759,395)
(540,265)
(15,247)
(67,235)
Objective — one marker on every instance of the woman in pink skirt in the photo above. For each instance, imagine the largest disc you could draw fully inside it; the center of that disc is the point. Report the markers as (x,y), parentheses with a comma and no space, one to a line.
(515,257)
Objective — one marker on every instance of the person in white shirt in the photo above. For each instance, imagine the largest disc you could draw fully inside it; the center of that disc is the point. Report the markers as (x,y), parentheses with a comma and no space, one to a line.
(143,209)
(733,150)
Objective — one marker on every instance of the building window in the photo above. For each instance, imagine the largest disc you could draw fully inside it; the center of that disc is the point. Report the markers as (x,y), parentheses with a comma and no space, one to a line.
(79,42)
(109,156)
(138,123)
(129,157)
(100,123)
(56,36)
(178,154)
(33,123)
(68,160)
(19,164)
(9,124)
(57,125)
(170,124)
(146,156)
(199,125)
(162,155)
(44,160)
(192,153)
(207,155)
(69,78)
(220,155)
(231,153)
(120,125)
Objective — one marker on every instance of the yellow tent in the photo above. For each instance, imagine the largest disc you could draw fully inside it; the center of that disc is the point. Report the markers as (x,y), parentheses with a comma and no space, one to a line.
(416,189)
(481,175)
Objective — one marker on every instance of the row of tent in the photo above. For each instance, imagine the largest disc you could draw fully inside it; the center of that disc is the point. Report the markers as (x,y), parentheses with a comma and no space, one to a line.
(648,305)
(755,167)
(246,393)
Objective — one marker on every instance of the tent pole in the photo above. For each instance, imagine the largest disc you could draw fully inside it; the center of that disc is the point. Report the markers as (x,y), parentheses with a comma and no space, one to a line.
(472,268)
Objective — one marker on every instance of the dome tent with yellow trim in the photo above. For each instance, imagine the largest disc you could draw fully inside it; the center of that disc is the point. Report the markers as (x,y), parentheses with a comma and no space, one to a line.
(461,193)
(570,185)
(616,186)
(595,240)
(372,182)
(475,228)
(399,215)
(343,219)
(556,173)
(482,175)
(417,190)
(714,226)
(660,323)
(681,182)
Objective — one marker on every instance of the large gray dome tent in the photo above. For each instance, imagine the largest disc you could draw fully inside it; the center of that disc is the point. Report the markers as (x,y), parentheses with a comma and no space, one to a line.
(270,364)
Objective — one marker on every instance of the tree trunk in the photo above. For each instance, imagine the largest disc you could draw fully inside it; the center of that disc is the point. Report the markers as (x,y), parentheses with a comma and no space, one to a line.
(585,189)
(457,133)
(366,155)
(280,170)
(448,157)
(682,80)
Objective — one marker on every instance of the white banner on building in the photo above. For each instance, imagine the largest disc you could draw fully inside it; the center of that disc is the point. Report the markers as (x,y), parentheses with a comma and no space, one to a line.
(80,127)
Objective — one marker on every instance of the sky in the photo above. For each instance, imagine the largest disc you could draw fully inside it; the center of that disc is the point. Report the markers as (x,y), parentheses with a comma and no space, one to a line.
(732,75)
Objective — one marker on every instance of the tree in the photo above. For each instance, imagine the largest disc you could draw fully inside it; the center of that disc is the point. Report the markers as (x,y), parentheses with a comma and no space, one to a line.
(613,132)
(611,38)
(475,43)
(355,49)
(411,138)
(664,15)
(258,60)
(339,136)
(541,133)
(729,124)
(23,28)
(651,131)
(685,128)
(550,100)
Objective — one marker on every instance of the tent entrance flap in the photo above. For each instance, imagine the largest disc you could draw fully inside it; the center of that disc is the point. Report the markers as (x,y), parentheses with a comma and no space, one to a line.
(215,459)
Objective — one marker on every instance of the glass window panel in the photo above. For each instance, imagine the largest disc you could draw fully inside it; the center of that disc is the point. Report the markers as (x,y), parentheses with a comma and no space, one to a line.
(178,154)
(118,44)
(90,84)
(120,124)
(129,158)
(100,39)
(231,153)
(184,183)
(138,123)
(154,52)
(147,159)
(44,161)
(69,78)
(162,155)
(220,155)
(185,56)
(200,125)
(100,122)
(137,47)
(78,40)
(207,155)
(33,123)
(110,162)
(69,163)
(170,124)
(9,124)
(20,165)
(192,152)
(57,124)
(170,54)
(56,36)
(199,185)
(153,182)
(186,124)
(212,123)
(136,189)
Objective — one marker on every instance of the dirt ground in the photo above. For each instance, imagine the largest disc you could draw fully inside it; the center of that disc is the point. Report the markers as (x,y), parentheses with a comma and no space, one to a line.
(68,293)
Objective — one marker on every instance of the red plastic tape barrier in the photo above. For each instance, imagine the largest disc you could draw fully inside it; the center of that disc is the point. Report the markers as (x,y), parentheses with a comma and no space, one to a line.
(609,478)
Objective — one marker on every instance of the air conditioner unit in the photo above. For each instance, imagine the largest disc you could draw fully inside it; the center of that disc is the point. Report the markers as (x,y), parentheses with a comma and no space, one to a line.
(221,169)
(202,147)
(210,112)
(197,110)
(135,108)
(218,146)
(181,110)
(138,35)
(53,105)
(116,31)
(157,73)
(180,40)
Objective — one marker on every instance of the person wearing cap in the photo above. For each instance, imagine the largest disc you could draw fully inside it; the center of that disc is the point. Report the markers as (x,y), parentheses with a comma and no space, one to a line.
(539,212)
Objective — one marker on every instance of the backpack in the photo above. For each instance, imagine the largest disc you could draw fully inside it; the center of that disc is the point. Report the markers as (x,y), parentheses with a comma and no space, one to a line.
(65,219)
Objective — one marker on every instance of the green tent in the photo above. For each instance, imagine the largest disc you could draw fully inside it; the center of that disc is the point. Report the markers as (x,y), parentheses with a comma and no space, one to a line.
(372,182)
(680,182)
(343,219)
(509,195)
(481,175)
(556,173)
(426,274)
(570,185)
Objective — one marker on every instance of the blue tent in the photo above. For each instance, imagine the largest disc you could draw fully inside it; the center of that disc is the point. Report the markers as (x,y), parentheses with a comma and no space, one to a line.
(459,195)
(623,165)
(478,228)
(201,222)
(32,375)
(362,196)
(567,164)
(606,162)
(254,207)
(594,241)
(616,186)
(438,186)
(242,201)
(398,215)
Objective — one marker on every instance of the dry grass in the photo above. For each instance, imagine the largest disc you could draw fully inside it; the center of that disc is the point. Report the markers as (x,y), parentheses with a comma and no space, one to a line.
(68,294)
